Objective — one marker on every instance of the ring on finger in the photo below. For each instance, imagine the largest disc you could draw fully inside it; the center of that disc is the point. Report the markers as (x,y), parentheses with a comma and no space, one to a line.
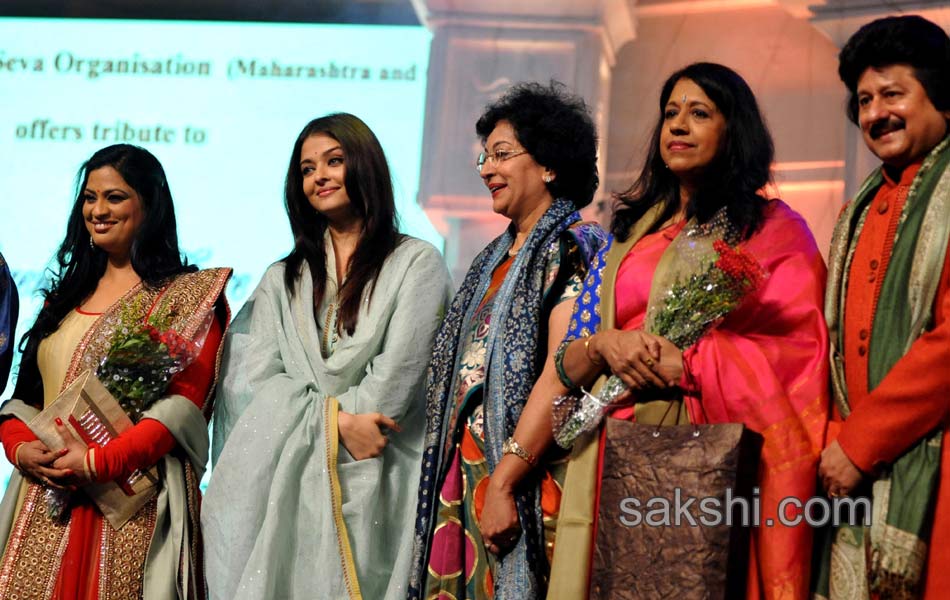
(649,362)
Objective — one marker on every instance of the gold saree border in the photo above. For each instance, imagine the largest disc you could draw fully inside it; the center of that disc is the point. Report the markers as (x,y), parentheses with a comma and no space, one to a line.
(331,435)
(122,555)
(197,587)
(39,581)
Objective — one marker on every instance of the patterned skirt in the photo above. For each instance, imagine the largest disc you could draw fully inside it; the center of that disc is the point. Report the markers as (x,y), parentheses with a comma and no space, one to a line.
(459,565)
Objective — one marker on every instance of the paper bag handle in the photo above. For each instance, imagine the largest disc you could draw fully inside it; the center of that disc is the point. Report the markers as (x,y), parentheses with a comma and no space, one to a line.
(696,430)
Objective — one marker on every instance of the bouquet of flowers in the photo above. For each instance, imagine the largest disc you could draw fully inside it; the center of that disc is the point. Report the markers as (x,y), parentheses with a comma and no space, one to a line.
(707,282)
(141,361)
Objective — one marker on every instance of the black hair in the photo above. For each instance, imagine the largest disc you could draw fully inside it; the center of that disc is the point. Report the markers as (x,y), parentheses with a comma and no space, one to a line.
(910,40)
(155,255)
(734,178)
(370,189)
(556,129)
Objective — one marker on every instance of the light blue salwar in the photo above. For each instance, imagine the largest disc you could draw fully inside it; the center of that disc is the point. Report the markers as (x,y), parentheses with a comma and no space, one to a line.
(268,517)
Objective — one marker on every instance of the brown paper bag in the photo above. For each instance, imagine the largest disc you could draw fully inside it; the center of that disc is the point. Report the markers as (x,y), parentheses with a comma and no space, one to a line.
(637,560)
(93,416)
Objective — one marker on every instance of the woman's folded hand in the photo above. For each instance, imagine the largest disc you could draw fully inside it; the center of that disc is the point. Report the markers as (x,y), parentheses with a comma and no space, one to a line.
(670,365)
(35,460)
(362,434)
(634,356)
(498,521)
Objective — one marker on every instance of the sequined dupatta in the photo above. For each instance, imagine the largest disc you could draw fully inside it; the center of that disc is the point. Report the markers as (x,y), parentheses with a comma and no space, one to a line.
(36,544)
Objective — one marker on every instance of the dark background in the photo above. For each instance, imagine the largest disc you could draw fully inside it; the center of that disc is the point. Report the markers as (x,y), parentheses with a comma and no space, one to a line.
(388,12)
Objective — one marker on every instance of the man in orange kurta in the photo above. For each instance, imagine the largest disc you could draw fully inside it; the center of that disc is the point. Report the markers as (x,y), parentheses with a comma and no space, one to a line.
(889,314)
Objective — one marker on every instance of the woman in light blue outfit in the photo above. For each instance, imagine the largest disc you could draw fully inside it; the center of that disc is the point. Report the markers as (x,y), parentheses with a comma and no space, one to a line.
(320,414)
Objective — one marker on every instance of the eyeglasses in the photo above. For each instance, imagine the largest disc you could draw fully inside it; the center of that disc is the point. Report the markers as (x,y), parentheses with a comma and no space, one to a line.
(496,158)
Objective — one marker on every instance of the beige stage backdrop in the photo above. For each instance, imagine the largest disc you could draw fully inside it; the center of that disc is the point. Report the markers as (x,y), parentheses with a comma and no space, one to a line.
(616,53)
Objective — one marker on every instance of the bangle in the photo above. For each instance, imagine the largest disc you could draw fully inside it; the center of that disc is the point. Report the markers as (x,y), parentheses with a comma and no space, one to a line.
(16,455)
(596,363)
(85,466)
(90,463)
(559,365)
(512,447)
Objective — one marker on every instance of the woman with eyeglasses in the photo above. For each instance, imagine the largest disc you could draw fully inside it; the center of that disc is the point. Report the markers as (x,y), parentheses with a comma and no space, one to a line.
(489,495)
(319,423)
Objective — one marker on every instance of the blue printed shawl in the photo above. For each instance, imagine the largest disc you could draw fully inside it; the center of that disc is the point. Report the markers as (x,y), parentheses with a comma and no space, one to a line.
(513,357)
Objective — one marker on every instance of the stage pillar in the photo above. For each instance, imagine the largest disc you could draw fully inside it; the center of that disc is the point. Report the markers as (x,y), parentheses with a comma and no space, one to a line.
(479,49)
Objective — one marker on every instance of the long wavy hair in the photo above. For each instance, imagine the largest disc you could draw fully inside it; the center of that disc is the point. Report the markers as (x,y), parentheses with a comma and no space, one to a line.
(734,179)
(155,255)
(370,189)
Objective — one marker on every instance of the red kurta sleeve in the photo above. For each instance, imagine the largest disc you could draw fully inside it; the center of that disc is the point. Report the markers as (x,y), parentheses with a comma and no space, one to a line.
(911,401)
(142,445)
(13,432)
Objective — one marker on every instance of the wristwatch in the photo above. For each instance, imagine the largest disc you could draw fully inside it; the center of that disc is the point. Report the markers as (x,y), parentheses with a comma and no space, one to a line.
(512,447)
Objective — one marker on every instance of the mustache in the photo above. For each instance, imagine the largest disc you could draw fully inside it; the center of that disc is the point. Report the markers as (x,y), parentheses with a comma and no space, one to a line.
(885,126)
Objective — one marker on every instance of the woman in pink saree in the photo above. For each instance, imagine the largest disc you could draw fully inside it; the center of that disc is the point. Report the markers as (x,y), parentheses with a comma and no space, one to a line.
(763,365)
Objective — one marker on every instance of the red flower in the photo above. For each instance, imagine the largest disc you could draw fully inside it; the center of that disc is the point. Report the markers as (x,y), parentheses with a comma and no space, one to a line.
(745,272)
(176,344)
(153,333)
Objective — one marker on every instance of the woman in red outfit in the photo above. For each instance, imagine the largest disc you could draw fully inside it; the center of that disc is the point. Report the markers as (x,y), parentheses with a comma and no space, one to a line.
(119,265)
